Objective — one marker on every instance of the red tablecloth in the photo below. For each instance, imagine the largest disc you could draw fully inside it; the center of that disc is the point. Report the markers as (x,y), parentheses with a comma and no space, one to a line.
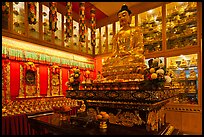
(18,124)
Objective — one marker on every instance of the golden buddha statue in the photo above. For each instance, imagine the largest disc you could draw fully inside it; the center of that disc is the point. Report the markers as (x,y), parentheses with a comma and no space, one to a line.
(192,75)
(193,62)
(128,60)
(183,63)
(173,64)
(182,75)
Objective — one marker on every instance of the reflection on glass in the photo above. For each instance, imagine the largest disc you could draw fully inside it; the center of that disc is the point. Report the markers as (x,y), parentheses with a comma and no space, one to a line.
(103,39)
(110,37)
(97,42)
(58,33)
(75,35)
(90,49)
(45,19)
(117,26)
(181,24)
(151,23)
(184,72)
(133,21)
(34,29)
(19,17)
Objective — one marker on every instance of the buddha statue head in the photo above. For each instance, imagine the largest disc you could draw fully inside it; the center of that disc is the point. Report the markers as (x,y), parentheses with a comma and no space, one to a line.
(124,16)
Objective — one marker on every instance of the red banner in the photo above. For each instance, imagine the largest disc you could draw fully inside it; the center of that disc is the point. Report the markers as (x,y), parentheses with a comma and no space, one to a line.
(14,79)
(64,80)
(43,73)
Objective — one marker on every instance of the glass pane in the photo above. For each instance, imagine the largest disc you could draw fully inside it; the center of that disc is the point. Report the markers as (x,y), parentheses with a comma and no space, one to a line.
(184,72)
(5,15)
(67,40)
(110,37)
(117,26)
(19,17)
(133,21)
(76,35)
(58,33)
(181,24)
(45,19)
(34,29)
(151,23)
(90,49)
(97,41)
(103,39)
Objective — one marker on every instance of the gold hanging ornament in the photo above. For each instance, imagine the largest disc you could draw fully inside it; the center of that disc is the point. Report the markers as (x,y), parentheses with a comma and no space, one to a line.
(82,25)
(69,20)
(53,16)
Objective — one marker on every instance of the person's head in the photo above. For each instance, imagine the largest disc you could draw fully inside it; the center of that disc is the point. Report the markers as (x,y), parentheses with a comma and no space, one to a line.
(124,15)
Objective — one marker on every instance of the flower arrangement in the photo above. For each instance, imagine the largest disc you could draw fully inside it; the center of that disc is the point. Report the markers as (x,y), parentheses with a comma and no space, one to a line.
(156,75)
(74,80)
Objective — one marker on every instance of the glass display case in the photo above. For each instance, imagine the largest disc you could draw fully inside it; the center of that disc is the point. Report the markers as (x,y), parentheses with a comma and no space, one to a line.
(58,33)
(67,40)
(103,39)
(181,24)
(110,37)
(151,24)
(75,35)
(47,34)
(34,28)
(19,17)
(97,42)
(90,49)
(184,72)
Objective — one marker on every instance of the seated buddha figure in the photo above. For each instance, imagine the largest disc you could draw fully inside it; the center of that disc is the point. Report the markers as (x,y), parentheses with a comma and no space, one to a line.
(182,75)
(192,75)
(127,60)
(183,63)
(193,62)
(173,64)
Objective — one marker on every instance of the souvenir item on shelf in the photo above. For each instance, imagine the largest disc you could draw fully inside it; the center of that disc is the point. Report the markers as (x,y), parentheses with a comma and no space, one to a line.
(173,64)
(193,62)
(192,75)
(182,75)
(192,88)
(183,63)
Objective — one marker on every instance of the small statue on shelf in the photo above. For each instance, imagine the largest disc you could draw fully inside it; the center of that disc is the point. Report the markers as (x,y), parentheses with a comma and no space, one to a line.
(173,64)
(192,88)
(193,62)
(183,63)
(192,75)
(182,75)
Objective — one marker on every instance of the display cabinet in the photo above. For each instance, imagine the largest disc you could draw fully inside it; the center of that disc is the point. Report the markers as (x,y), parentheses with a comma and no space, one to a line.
(58,32)
(19,17)
(34,26)
(47,34)
(151,24)
(184,72)
(181,24)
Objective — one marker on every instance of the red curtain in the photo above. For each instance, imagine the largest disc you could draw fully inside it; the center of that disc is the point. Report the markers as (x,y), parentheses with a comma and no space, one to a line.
(43,73)
(64,79)
(14,79)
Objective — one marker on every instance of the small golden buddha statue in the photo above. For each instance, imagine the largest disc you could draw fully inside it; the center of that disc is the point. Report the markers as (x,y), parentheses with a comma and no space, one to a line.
(173,64)
(183,63)
(193,62)
(128,60)
(182,75)
(192,75)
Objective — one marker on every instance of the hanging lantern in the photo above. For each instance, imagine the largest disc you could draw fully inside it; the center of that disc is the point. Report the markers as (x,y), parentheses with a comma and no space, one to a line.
(5,8)
(93,27)
(69,20)
(82,25)
(32,13)
(53,16)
